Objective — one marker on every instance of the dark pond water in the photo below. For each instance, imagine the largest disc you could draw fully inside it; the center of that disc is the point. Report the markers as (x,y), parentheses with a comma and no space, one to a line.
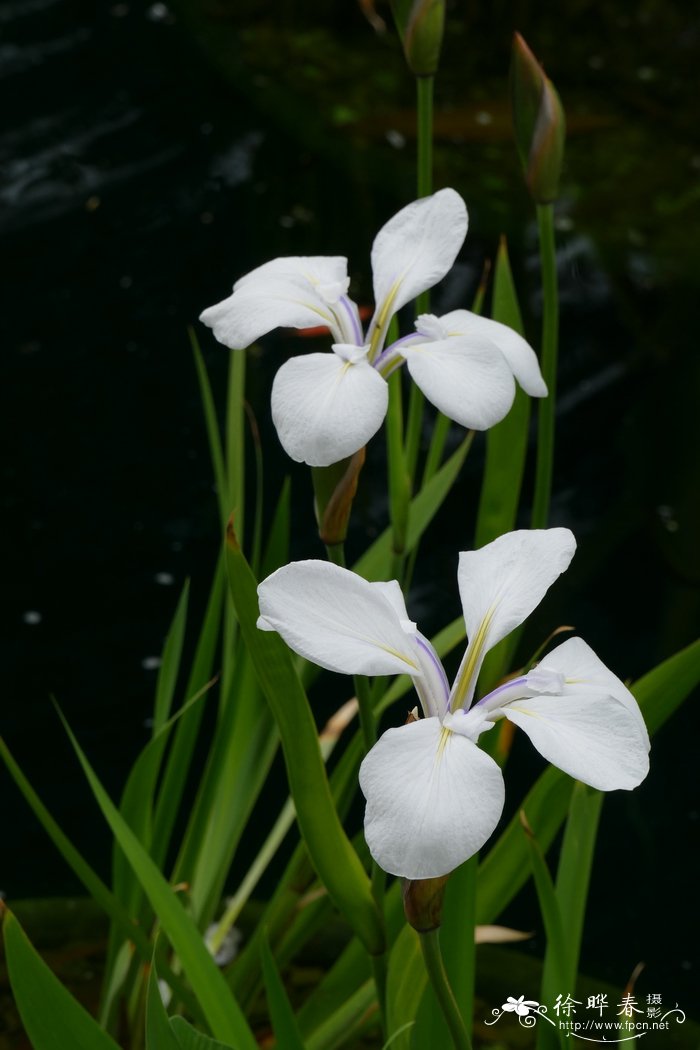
(152,154)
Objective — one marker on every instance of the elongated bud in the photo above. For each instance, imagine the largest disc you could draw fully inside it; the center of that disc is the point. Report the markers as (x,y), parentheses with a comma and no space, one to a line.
(539,123)
(334,491)
(420,24)
(422,902)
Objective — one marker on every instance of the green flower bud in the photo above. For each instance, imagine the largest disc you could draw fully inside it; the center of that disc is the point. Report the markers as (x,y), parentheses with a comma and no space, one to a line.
(420,24)
(334,491)
(540,127)
(422,902)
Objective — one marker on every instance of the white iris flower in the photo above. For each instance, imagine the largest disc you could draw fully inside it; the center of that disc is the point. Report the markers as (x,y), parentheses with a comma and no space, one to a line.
(326,406)
(433,797)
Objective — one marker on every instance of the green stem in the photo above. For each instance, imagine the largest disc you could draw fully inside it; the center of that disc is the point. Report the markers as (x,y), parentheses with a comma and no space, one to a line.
(336,554)
(430,943)
(548,363)
(367,720)
(424,131)
(399,485)
(424,87)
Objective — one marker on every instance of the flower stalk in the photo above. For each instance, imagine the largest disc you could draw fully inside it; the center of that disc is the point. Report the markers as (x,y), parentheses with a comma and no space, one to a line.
(548,362)
(430,945)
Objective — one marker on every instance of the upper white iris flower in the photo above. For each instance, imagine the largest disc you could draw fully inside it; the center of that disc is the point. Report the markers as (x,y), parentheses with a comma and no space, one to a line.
(433,797)
(326,406)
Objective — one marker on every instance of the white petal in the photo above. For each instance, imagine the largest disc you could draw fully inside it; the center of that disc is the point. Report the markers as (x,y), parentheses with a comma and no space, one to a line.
(593,737)
(270,301)
(500,585)
(433,799)
(415,249)
(318,270)
(468,380)
(394,595)
(520,356)
(336,619)
(325,408)
(583,672)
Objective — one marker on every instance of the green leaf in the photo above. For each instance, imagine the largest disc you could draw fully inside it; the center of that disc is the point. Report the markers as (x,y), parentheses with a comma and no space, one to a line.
(185,736)
(574,874)
(97,889)
(661,691)
(218,1005)
(170,663)
(235,438)
(190,1039)
(212,425)
(238,764)
(333,857)
(277,550)
(557,947)
(159,1034)
(406,982)
(282,1017)
(53,1019)
(136,804)
(376,561)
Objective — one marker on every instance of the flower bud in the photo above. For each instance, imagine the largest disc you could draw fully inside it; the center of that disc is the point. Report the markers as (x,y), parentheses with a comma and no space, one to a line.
(538,118)
(422,902)
(420,24)
(334,491)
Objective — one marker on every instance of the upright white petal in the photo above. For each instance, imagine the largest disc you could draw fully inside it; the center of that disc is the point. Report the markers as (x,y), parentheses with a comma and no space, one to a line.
(467,379)
(336,619)
(500,585)
(414,250)
(326,408)
(593,737)
(261,303)
(433,799)
(520,356)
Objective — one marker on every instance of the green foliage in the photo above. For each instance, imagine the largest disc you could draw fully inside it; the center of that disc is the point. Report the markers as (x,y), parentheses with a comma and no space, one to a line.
(53,1019)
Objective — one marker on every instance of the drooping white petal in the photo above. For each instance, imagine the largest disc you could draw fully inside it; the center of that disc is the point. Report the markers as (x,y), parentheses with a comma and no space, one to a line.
(593,737)
(433,799)
(261,303)
(520,356)
(584,671)
(414,250)
(500,585)
(467,379)
(336,619)
(326,408)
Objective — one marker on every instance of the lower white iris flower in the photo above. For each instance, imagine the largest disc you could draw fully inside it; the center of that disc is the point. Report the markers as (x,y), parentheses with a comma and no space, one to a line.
(327,406)
(433,797)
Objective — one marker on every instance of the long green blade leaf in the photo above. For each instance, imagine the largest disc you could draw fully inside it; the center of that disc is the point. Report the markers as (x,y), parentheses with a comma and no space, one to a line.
(334,858)
(190,1039)
(218,1005)
(159,1034)
(53,1019)
(284,1023)
(212,425)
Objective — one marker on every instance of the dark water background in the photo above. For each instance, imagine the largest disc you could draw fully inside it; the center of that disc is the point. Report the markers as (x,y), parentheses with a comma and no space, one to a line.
(152,154)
